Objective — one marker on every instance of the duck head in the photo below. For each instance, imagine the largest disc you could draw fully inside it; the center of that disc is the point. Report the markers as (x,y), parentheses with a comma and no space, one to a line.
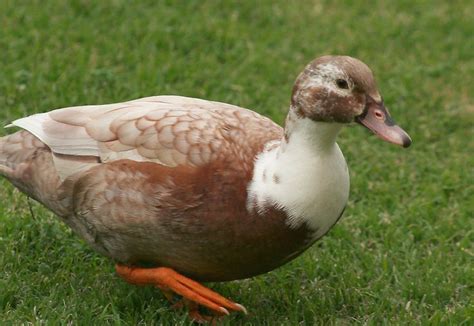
(342,89)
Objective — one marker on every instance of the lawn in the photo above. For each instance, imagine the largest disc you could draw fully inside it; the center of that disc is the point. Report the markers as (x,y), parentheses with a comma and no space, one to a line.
(404,250)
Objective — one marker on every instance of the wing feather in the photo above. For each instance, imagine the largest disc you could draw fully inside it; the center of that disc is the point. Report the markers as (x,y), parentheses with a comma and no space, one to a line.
(168,130)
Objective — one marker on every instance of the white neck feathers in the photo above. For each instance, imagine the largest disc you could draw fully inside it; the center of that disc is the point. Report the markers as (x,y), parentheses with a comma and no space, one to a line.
(306,175)
(312,135)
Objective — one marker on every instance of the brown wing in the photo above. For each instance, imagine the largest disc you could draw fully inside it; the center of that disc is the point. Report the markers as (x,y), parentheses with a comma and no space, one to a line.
(168,130)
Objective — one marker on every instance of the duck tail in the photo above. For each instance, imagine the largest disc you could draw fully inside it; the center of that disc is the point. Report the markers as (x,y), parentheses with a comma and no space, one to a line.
(14,150)
(28,164)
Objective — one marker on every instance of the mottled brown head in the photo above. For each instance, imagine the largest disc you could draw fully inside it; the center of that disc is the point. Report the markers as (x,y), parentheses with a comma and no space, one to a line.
(343,89)
(333,89)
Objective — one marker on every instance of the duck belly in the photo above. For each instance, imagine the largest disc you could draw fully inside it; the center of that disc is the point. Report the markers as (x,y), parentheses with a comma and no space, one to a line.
(198,224)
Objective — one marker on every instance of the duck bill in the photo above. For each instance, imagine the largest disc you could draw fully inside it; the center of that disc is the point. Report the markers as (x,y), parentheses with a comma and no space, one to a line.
(377,119)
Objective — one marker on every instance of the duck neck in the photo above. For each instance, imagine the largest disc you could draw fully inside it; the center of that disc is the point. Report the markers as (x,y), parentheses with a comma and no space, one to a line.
(305,175)
(308,135)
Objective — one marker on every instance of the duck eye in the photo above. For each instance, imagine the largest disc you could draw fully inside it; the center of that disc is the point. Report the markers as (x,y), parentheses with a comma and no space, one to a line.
(342,83)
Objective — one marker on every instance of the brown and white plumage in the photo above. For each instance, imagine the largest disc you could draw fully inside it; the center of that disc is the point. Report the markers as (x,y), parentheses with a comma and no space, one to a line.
(211,190)
(105,155)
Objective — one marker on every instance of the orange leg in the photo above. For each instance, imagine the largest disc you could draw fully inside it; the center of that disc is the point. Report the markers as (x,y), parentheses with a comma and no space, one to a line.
(193,293)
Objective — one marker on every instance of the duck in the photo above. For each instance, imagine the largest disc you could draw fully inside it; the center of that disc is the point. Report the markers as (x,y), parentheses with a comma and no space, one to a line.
(177,191)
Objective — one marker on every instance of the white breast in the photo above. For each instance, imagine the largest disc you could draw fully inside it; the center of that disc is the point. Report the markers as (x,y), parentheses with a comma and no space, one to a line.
(307,177)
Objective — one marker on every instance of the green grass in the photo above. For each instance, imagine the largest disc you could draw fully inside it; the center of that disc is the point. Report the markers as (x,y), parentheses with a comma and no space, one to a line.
(404,251)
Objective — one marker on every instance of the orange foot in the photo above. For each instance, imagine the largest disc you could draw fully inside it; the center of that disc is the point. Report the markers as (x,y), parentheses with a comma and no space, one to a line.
(193,293)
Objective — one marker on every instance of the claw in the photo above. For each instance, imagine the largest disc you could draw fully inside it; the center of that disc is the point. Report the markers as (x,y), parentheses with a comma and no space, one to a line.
(242,308)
